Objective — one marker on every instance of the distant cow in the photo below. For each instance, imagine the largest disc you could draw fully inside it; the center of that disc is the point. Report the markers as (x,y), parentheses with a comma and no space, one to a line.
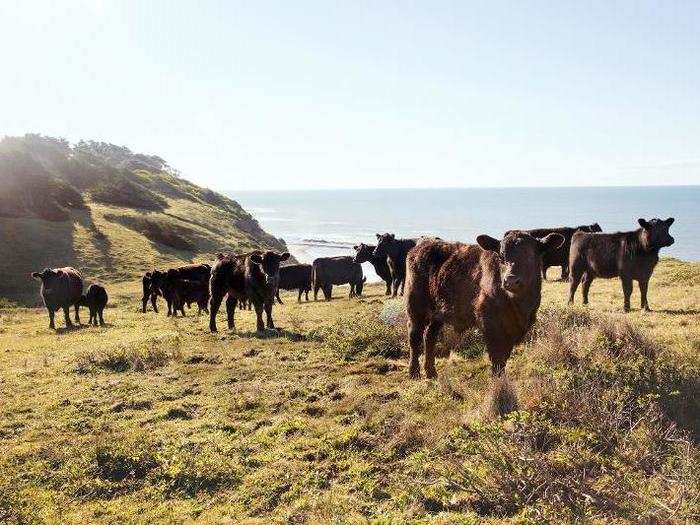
(254,278)
(494,287)
(95,299)
(365,253)
(560,256)
(627,255)
(327,271)
(295,277)
(188,291)
(395,251)
(149,292)
(165,282)
(61,288)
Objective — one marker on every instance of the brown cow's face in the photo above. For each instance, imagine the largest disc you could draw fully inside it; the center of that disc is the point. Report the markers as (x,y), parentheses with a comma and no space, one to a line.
(655,232)
(269,263)
(363,252)
(520,258)
(384,243)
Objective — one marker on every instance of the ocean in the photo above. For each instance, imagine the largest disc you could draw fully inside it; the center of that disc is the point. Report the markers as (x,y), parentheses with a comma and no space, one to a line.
(324,223)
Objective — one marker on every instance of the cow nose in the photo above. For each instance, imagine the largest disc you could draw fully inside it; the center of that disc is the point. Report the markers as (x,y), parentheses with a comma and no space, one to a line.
(671,241)
(511,282)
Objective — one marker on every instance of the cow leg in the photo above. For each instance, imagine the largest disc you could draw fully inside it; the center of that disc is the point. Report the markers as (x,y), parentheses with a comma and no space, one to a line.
(170,305)
(403,284)
(66,314)
(626,291)
(102,319)
(416,329)
(301,291)
(643,287)
(230,311)
(258,315)
(328,291)
(585,286)
(77,313)
(52,325)
(214,304)
(154,299)
(564,272)
(144,302)
(268,314)
(388,288)
(395,286)
(575,280)
(352,291)
(429,339)
(544,272)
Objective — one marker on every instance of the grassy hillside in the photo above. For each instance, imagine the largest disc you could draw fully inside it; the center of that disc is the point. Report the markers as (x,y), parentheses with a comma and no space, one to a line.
(107,211)
(153,419)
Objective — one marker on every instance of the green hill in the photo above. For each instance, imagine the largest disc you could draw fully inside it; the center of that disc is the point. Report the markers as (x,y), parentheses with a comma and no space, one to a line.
(108,211)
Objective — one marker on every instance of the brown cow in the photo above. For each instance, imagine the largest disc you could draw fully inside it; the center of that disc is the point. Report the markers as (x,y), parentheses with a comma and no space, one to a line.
(494,287)
(627,255)
(254,278)
(61,288)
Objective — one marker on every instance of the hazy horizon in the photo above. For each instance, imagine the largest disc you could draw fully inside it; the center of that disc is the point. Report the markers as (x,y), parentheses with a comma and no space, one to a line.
(277,96)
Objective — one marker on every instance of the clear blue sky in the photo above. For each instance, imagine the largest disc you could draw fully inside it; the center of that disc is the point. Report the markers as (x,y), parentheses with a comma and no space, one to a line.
(292,95)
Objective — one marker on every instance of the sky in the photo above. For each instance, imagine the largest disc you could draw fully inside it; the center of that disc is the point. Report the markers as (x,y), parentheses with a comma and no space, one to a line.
(360,94)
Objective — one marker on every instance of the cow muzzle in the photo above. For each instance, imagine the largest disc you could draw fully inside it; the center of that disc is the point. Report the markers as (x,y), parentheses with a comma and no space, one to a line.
(512,284)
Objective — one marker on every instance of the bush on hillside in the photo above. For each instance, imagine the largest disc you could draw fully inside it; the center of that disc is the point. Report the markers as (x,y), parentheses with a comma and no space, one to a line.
(158,230)
(121,190)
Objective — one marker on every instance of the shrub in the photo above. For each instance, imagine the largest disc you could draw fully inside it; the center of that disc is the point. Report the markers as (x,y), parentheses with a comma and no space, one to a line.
(158,230)
(120,190)
(139,356)
(362,334)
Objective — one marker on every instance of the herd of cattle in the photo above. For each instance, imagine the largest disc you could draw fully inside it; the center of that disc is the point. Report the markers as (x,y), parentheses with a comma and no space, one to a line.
(493,286)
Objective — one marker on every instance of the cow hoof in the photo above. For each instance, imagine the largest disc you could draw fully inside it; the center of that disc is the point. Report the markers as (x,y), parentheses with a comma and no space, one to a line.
(431,374)
(414,373)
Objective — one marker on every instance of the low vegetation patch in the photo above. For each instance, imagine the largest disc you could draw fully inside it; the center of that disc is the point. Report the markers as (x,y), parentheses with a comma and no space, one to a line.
(138,356)
(157,230)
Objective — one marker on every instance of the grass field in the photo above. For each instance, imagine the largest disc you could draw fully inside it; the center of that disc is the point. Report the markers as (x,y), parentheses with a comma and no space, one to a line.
(154,419)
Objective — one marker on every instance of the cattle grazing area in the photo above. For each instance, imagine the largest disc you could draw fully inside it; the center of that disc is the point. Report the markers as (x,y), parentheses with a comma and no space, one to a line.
(154,418)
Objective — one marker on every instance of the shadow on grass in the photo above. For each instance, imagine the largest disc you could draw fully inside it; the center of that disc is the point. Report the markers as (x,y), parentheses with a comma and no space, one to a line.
(73,328)
(689,311)
(273,333)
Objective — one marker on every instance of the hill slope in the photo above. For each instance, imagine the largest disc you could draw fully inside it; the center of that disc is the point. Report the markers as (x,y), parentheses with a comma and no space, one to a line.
(108,211)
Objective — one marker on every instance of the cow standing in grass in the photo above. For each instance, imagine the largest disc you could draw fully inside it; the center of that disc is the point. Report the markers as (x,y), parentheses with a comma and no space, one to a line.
(329,271)
(365,253)
(149,292)
(295,277)
(631,256)
(394,251)
(560,256)
(254,278)
(95,299)
(61,288)
(166,282)
(494,287)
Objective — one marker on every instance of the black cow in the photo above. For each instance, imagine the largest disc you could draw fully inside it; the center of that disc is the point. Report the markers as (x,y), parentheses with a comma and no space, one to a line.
(395,251)
(627,255)
(61,288)
(365,253)
(95,299)
(295,277)
(327,271)
(149,292)
(254,278)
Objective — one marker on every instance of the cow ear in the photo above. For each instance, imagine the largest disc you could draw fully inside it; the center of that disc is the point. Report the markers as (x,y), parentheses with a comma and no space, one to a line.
(670,221)
(551,242)
(643,223)
(392,236)
(36,275)
(284,256)
(256,258)
(489,243)
(378,236)
(356,247)
(148,274)
(596,227)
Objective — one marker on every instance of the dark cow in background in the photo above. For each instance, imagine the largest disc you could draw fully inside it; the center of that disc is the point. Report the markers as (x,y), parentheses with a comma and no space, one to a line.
(327,271)
(395,251)
(167,281)
(188,291)
(254,278)
(95,299)
(150,292)
(631,256)
(61,288)
(495,287)
(365,253)
(560,256)
(295,277)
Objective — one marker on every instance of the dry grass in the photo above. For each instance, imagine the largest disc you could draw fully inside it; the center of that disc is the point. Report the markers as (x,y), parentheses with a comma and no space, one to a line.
(155,420)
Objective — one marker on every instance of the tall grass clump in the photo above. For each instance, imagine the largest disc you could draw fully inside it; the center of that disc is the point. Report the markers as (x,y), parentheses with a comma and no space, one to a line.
(362,334)
(137,356)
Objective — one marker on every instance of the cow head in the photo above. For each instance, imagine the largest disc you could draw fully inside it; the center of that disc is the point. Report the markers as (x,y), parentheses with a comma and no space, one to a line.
(269,264)
(385,241)
(520,258)
(595,228)
(47,276)
(654,233)
(363,252)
